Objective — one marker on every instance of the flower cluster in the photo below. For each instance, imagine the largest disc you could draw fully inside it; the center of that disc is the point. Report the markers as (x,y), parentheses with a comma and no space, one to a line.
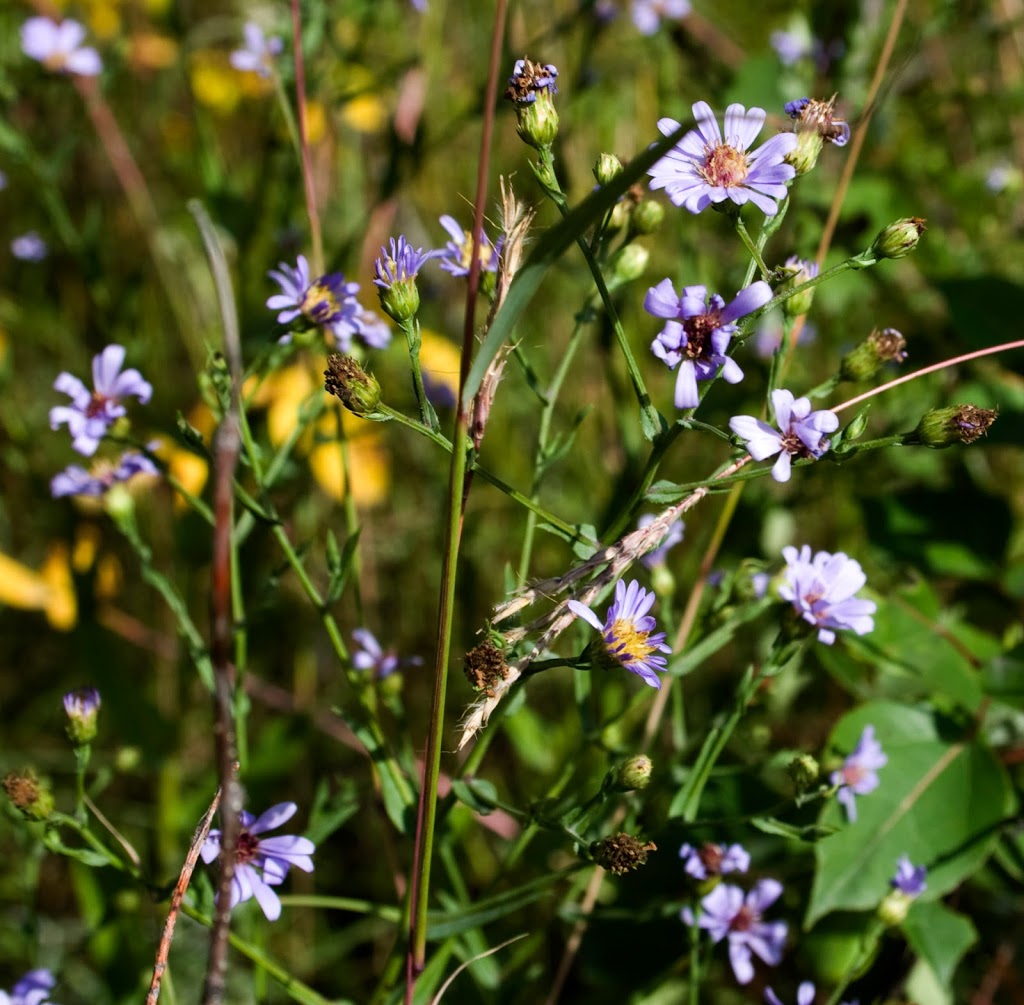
(33,989)
(626,638)
(90,416)
(859,774)
(698,331)
(58,46)
(258,53)
(262,863)
(822,589)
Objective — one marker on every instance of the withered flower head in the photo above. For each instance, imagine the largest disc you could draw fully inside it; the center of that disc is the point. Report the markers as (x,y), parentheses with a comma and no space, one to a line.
(485,667)
(621,853)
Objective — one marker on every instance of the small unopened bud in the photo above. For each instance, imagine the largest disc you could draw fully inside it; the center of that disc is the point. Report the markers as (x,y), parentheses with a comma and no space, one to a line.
(804,156)
(880,347)
(855,429)
(607,168)
(82,708)
(627,264)
(401,300)
(346,379)
(621,853)
(899,239)
(804,772)
(532,88)
(647,217)
(31,797)
(794,273)
(945,427)
(894,907)
(634,773)
(485,667)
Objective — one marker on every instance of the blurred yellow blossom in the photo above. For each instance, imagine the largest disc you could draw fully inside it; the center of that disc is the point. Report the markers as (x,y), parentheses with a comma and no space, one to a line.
(215,84)
(440,359)
(149,50)
(49,590)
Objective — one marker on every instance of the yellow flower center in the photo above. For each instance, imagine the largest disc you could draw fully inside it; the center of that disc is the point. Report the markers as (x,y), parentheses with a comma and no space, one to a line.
(629,643)
(724,166)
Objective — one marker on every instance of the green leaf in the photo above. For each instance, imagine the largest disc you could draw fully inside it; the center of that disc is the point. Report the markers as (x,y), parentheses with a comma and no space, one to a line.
(477,793)
(1003,676)
(940,799)
(939,936)
(339,565)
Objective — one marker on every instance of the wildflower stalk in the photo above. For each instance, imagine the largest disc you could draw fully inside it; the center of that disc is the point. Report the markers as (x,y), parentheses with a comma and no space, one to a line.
(315,237)
(82,755)
(428,416)
(753,249)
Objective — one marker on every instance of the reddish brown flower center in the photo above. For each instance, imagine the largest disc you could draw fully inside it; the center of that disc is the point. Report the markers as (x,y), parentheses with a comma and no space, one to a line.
(744,920)
(711,855)
(698,334)
(248,845)
(853,773)
(97,404)
(724,166)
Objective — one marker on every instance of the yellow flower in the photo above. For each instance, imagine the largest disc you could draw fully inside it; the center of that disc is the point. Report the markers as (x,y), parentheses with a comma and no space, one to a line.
(440,359)
(149,50)
(49,590)
(215,83)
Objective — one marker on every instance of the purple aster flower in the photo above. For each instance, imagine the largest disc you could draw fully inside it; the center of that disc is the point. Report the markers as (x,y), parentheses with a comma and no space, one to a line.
(29,247)
(258,53)
(703,168)
(858,775)
(647,14)
(328,302)
(528,80)
(698,332)
(791,46)
(626,638)
(420,5)
(714,859)
(92,413)
(400,263)
(727,913)
(909,878)
(822,591)
(74,480)
(1001,176)
(82,707)
(373,329)
(802,432)
(263,863)
(33,989)
(669,541)
(455,255)
(59,46)
(370,656)
(820,116)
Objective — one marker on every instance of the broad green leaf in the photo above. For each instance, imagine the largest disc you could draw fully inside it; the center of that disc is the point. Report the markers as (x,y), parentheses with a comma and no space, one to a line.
(939,936)
(940,799)
(477,793)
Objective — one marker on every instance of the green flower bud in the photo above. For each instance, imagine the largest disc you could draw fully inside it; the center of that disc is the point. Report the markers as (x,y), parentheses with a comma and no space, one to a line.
(627,264)
(82,708)
(621,853)
(607,168)
(401,300)
(899,239)
(856,428)
(880,347)
(794,273)
(804,157)
(647,217)
(634,773)
(944,427)
(345,379)
(894,907)
(31,797)
(804,772)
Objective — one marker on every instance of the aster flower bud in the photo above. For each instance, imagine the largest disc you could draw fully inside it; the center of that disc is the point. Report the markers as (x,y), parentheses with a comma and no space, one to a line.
(944,427)
(532,88)
(633,773)
(395,274)
(899,239)
(804,772)
(794,273)
(647,216)
(31,797)
(627,264)
(82,708)
(880,347)
(607,168)
(804,158)
(621,853)
(485,667)
(346,379)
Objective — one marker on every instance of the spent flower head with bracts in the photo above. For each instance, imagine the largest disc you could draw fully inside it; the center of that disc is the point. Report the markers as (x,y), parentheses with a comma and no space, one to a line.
(82,707)
(262,863)
(953,424)
(865,360)
(812,115)
(698,331)
(822,590)
(708,167)
(328,302)
(647,15)
(455,256)
(75,480)
(258,53)
(33,989)
(711,859)
(626,633)
(726,913)
(370,656)
(395,273)
(92,413)
(801,432)
(532,88)
(58,46)
(859,774)
(29,247)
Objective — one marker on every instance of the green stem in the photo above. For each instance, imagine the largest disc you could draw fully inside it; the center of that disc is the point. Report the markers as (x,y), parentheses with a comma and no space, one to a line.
(82,754)
(755,251)
(432,757)
(412,337)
